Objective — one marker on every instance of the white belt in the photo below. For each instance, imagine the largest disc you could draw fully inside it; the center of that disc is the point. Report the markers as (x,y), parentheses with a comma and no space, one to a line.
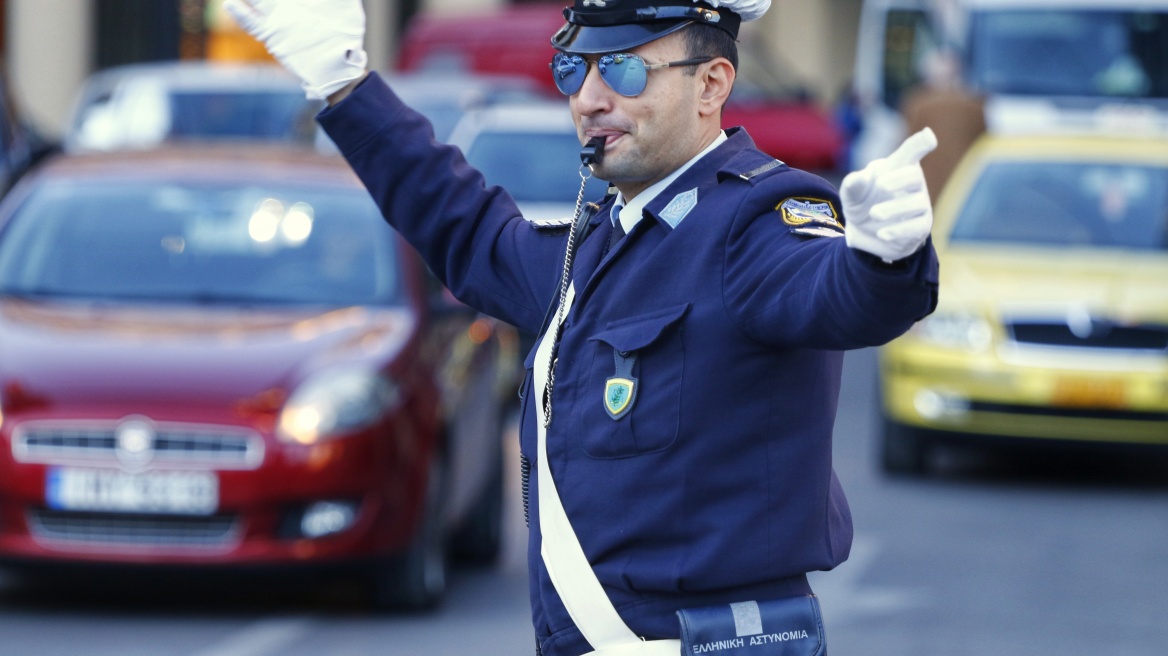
(641,648)
(571,573)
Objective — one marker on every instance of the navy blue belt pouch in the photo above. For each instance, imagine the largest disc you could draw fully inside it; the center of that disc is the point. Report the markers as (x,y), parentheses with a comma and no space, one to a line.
(778,627)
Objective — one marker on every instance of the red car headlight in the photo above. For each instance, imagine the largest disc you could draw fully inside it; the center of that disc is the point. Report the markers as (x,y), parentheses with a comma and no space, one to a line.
(333,403)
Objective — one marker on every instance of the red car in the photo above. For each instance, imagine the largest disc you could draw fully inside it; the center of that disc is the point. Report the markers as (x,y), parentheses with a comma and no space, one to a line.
(224,356)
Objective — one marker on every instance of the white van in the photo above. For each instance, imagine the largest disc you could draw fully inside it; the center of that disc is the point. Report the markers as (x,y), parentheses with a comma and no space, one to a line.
(1041,64)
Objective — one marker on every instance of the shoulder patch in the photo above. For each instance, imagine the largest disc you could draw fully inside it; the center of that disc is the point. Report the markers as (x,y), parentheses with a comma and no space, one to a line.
(587,212)
(549,224)
(773,164)
(807,212)
(815,231)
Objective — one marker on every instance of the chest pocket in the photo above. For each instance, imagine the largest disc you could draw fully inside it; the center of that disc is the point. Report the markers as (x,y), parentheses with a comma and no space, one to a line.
(644,355)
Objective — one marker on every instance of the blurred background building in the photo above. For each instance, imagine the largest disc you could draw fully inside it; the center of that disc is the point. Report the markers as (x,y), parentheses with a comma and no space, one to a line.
(49,46)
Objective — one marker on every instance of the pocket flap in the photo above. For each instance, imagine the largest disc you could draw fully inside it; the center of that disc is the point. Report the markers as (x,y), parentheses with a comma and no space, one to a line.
(640,331)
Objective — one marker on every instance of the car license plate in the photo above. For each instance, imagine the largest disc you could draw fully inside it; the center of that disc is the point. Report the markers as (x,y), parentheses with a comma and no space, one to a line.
(1073,392)
(109,490)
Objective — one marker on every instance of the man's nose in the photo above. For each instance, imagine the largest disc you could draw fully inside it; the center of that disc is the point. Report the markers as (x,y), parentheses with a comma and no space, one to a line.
(594,95)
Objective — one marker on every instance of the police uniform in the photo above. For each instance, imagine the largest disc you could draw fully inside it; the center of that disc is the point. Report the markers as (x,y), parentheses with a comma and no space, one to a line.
(733,299)
(698,369)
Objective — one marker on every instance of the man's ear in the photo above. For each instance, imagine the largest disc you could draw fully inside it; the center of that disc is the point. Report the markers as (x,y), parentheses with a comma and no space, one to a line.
(717,81)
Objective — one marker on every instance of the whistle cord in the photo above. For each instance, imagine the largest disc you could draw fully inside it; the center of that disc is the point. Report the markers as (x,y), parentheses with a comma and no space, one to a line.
(565,278)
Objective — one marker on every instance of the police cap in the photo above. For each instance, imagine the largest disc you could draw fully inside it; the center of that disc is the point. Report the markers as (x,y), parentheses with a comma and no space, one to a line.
(605,26)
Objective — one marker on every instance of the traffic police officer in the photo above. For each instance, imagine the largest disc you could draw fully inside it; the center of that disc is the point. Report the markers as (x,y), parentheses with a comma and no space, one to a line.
(687,383)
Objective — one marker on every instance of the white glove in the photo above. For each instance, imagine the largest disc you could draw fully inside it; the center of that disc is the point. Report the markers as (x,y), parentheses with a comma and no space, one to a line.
(887,210)
(320,41)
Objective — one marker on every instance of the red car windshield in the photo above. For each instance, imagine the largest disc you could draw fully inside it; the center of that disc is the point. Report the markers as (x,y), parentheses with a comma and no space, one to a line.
(200,243)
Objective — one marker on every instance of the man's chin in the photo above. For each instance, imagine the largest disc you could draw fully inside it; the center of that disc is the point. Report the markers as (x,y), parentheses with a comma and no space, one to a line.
(611,169)
(615,175)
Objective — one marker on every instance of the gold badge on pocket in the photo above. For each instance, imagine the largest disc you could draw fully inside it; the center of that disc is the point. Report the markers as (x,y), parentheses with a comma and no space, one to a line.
(620,390)
(618,396)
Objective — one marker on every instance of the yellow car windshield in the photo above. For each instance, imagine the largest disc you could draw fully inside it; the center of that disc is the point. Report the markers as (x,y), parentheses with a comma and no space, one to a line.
(1068,204)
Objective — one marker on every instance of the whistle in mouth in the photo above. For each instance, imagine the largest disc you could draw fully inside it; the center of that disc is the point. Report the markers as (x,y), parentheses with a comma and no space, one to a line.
(593,152)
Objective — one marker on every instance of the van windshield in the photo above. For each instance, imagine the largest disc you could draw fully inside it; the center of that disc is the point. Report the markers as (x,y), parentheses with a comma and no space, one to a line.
(1078,52)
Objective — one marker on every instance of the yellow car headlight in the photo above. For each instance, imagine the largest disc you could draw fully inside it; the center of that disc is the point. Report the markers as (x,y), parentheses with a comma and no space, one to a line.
(955,330)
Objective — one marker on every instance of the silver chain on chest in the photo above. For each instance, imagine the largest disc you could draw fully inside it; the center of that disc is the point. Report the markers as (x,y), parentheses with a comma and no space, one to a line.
(555,329)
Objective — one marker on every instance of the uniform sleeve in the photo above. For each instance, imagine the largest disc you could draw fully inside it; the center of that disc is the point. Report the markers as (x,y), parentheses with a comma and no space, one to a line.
(790,281)
(470,235)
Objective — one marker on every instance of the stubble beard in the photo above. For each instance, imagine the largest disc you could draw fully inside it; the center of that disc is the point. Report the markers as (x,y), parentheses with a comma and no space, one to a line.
(625,167)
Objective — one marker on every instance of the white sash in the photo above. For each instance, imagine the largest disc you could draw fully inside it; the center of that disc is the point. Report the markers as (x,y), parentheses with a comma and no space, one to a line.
(571,574)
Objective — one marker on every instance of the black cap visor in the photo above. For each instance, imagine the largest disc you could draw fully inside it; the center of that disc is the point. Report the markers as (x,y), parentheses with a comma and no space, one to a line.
(584,40)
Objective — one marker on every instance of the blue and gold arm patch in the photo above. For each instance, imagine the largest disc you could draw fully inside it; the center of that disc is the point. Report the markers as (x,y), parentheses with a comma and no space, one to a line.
(810,217)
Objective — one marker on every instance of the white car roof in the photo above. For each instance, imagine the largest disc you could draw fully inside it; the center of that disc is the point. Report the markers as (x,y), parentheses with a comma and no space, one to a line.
(138,92)
(548,116)
(198,75)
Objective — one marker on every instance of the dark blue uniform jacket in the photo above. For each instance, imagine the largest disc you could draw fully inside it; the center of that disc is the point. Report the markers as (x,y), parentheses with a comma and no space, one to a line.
(717,485)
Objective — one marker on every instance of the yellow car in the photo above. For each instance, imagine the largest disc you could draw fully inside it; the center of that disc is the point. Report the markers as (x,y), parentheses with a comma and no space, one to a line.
(1053,315)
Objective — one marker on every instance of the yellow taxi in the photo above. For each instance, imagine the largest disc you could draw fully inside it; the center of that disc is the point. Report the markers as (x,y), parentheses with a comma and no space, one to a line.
(1053,315)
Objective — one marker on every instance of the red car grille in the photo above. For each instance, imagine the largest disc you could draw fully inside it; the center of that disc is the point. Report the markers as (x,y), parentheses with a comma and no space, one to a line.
(173,445)
(104,529)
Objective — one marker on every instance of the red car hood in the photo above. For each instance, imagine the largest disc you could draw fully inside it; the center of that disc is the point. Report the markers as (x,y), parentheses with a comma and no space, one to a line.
(87,354)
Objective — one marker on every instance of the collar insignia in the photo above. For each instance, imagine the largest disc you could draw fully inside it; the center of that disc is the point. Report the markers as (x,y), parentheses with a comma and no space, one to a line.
(679,207)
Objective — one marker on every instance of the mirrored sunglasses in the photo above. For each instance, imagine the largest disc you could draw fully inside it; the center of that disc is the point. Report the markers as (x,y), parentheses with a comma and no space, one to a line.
(624,73)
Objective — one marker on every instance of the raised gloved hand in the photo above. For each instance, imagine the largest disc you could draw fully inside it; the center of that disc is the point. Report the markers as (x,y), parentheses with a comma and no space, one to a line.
(320,41)
(886,204)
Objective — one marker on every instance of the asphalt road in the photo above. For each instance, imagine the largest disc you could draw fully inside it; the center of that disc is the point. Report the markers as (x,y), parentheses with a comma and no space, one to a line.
(999,554)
